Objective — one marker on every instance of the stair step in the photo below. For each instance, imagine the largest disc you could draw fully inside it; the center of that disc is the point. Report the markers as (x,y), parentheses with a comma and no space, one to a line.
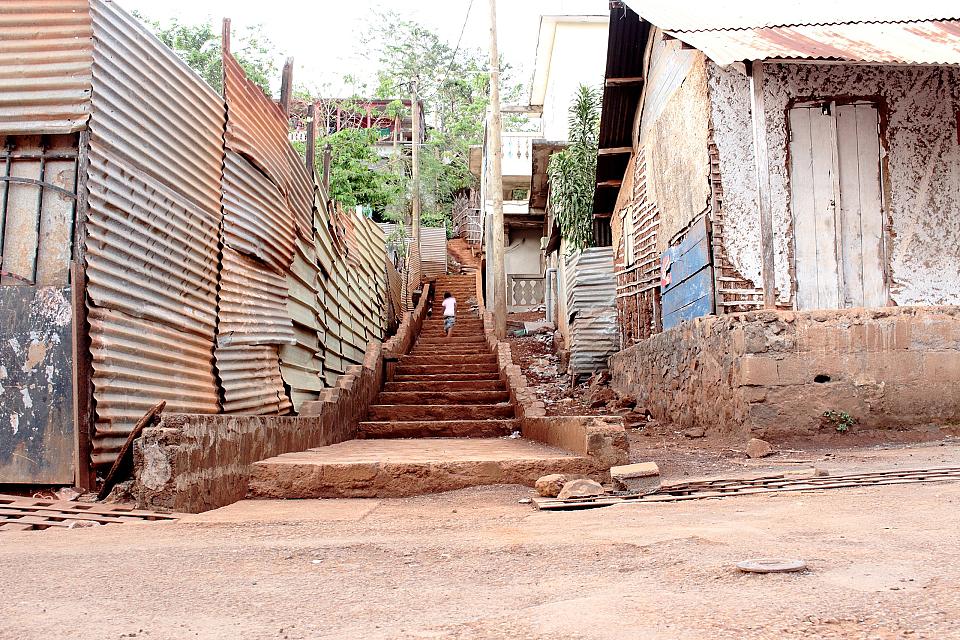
(445,358)
(400,468)
(445,377)
(444,385)
(443,397)
(440,412)
(461,338)
(438,428)
(439,369)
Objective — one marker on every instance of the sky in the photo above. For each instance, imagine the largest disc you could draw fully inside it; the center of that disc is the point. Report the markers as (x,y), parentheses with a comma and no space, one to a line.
(322,35)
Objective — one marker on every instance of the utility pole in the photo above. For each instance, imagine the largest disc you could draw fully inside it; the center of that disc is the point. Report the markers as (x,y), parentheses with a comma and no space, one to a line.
(496,183)
(415,171)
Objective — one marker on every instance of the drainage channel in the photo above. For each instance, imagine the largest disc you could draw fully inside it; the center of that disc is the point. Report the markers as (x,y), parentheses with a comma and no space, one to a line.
(18,513)
(722,488)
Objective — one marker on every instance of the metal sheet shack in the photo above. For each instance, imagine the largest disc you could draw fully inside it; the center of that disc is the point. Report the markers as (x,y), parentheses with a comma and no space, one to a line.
(158,242)
(786,216)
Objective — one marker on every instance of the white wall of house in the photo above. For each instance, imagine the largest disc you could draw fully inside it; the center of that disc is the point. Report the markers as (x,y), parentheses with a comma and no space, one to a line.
(572,50)
(921,160)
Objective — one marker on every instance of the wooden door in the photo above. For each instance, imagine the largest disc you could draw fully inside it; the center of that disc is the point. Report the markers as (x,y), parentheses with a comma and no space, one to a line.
(837,206)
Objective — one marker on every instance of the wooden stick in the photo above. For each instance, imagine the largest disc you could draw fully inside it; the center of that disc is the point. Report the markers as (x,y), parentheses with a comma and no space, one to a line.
(127,449)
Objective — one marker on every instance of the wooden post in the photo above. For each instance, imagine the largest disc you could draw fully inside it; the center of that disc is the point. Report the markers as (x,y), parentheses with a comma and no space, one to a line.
(327,157)
(496,183)
(286,86)
(764,205)
(311,148)
(415,178)
(225,35)
(83,407)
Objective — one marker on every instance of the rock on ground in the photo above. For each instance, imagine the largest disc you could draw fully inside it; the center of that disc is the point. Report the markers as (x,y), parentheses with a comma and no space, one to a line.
(582,488)
(643,477)
(758,448)
(550,486)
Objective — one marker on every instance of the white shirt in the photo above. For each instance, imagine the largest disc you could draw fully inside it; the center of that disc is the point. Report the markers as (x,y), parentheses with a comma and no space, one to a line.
(449,307)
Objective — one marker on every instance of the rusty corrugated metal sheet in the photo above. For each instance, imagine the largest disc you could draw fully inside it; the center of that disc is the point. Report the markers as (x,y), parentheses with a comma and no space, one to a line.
(251,380)
(923,42)
(591,291)
(253,303)
(138,362)
(302,362)
(699,16)
(152,110)
(256,218)
(256,127)
(46,53)
(156,154)
(433,248)
(301,194)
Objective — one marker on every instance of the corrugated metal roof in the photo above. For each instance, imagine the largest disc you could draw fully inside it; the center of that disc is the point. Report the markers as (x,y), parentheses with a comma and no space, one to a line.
(138,362)
(926,42)
(46,53)
(696,15)
(156,152)
(256,218)
(251,380)
(256,127)
(253,303)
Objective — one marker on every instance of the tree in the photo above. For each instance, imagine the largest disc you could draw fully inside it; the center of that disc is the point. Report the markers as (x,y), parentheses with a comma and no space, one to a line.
(454,86)
(573,172)
(200,46)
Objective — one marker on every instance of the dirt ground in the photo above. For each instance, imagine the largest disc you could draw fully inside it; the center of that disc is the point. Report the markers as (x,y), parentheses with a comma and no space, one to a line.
(883,562)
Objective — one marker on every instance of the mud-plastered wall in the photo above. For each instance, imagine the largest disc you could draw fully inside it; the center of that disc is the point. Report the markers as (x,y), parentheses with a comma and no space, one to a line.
(919,130)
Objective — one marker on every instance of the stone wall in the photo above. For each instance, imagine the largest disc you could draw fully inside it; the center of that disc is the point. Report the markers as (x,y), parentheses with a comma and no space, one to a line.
(602,439)
(192,463)
(774,373)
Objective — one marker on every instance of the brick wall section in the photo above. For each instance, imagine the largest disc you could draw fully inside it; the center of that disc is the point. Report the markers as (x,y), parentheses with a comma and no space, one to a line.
(192,463)
(757,373)
(600,438)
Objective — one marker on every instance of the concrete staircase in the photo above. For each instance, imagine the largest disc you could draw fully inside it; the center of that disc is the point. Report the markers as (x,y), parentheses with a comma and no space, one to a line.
(438,425)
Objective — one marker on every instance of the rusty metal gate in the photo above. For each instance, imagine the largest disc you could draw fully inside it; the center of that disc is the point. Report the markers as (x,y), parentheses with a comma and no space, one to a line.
(38,177)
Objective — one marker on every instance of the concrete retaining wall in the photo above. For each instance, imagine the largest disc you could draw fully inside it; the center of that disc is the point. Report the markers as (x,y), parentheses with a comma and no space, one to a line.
(775,373)
(192,463)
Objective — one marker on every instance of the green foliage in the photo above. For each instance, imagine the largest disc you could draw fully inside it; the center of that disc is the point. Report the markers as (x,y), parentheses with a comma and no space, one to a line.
(199,45)
(573,171)
(357,174)
(840,420)
(454,86)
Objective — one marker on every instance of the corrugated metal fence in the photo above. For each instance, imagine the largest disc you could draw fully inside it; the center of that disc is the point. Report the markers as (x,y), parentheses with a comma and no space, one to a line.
(216,278)
(591,293)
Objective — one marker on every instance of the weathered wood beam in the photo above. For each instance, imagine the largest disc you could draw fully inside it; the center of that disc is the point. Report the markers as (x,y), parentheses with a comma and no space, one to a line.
(614,151)
(286,86)
(606,184)
(617,82)
(762,164)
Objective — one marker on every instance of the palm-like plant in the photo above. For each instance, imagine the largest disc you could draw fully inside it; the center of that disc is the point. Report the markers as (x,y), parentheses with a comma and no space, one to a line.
(573,171)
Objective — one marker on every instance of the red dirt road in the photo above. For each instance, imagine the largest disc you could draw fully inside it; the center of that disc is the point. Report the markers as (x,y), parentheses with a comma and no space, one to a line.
(884,563)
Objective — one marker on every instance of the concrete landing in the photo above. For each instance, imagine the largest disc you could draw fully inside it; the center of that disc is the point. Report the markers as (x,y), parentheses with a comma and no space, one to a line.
(399,468)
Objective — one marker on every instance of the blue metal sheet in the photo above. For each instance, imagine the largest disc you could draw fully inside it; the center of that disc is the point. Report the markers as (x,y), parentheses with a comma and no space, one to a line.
(686,273)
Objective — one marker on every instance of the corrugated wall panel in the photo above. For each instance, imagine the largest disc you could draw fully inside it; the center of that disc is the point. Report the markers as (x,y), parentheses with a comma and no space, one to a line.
(256,127)
(150,253)
(156,155)
(302,363)
(433,248)
(253,303)
(136,364)
(46,54)
(301,194)
(256,218)
(151,109)
(251,380)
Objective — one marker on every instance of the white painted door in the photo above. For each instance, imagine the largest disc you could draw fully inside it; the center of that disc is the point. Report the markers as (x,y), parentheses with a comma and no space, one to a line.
(837,207)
